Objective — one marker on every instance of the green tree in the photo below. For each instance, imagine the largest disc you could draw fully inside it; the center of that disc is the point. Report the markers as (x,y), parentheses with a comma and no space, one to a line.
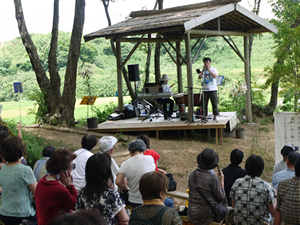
(286,69)
(60,107)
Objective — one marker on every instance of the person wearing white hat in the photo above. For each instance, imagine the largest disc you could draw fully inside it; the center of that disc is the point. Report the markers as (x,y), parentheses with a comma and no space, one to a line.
(165,101)
(106,144)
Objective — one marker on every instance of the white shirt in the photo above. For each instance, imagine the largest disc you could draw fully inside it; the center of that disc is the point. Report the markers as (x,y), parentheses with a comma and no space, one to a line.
(133,169)
(209,82)
(79,173)
(115,170)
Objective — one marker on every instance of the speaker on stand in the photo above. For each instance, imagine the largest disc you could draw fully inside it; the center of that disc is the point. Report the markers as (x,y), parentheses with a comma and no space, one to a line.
(134,75)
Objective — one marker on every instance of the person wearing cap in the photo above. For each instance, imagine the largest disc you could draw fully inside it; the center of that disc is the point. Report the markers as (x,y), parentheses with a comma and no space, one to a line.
(88,142)
(106,144)
(133,169)
(289,172)
(252,198)
(288,199)
(285,151)
(212,187)
(210,87)
(165,101)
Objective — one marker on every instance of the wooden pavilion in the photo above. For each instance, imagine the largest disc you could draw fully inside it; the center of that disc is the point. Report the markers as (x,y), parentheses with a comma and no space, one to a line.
(196,21)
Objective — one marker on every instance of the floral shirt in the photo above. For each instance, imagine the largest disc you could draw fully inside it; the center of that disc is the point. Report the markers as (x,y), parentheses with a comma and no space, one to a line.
(109,204)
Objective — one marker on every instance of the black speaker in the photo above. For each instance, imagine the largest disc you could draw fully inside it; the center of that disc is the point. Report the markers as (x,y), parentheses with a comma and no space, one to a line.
(133,71)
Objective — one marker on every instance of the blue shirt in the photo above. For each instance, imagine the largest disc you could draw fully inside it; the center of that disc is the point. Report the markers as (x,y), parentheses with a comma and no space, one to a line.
(287,173)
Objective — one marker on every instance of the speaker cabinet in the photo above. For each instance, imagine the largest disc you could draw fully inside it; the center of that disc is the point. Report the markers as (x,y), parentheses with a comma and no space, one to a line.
(133,70)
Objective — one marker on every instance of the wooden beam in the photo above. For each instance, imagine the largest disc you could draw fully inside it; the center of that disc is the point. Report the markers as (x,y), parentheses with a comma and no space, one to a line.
(235,49)
(249,118)
(132,51)
(189,77)
(199,49)
(169,53)
(119,77)
(183,59)
(147,40)
(182,8)
(179,68)
(219,33)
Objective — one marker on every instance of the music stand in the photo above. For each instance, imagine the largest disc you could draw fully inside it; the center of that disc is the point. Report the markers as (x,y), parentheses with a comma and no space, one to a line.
(88,100)
(18,89)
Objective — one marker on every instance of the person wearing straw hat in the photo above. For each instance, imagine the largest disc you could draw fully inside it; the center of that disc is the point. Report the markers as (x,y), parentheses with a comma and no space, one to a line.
(211,185)
(165,101)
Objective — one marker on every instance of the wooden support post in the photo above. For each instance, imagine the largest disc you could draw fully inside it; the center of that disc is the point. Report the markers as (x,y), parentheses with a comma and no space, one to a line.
(217,136)
(179,68)
(119,77)
(189,77)
(249,118)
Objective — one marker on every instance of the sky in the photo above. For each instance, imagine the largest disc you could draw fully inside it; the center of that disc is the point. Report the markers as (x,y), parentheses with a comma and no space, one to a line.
(39,14)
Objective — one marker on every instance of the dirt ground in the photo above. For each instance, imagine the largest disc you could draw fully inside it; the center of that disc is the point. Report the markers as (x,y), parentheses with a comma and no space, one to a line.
(178,155)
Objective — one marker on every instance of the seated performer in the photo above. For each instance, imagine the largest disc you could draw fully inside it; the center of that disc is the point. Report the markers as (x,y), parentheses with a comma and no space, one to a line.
(165,101)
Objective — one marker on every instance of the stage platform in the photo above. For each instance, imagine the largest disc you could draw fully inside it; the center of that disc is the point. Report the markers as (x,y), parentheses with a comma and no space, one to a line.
(225,119)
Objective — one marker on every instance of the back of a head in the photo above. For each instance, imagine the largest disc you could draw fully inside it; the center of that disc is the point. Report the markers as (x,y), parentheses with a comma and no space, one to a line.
(297,167)
(60,161)
(136,145)
(286,150)
(145,139)
(98,169)
(254,166)
(292,157)
(48,151)
(81,217)
(3,134)
(152,183)
(236,156)
(12,149)
(88,142)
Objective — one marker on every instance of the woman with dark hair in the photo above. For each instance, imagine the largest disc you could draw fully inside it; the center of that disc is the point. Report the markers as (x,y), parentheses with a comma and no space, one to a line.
(211,186)
(18,184)
(253,199)
(55,193)
(153,187)
(97,195)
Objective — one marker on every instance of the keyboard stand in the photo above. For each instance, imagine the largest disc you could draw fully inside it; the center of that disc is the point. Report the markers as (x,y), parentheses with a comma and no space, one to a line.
(153,110)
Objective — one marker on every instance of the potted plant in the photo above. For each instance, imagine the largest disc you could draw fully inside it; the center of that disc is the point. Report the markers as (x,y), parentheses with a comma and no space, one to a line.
(85,71)
(237,93)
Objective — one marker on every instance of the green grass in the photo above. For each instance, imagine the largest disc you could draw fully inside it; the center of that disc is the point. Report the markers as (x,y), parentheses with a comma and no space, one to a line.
(11,111)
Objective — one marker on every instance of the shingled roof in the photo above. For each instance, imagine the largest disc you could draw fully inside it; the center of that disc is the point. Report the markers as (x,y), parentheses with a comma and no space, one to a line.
(214,18)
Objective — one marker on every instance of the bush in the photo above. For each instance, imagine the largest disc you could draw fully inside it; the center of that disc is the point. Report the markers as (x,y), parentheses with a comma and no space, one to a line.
(103,114)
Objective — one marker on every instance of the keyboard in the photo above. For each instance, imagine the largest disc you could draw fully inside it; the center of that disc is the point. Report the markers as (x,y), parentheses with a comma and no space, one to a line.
(154,95)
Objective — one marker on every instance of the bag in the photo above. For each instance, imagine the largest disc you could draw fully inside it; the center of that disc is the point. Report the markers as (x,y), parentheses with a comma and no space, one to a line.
(124,195)
(129,111)
(219,209)
(172,182)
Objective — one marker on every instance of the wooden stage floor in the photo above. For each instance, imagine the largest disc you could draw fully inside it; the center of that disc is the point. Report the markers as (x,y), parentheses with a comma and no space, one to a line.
(159,124)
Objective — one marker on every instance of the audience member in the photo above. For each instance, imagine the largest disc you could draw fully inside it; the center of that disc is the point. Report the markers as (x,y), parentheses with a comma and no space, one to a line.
(253,199)
(133,169)
(153,188)
(18,184)
(212,187)
(55,193)
(82,217)
(88,142)
(289,172)
(233,171)
(39,168)
(288,199)
(150,151)
(97,195)
(106,144)
(285,151)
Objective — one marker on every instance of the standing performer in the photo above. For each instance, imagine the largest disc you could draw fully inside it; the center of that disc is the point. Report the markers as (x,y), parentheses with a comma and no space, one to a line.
(165,101)
(210,87)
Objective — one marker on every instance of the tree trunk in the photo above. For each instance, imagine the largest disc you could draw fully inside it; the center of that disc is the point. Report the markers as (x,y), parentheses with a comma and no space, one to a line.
(69,93)
(157,50)
(113,47)
(55,82)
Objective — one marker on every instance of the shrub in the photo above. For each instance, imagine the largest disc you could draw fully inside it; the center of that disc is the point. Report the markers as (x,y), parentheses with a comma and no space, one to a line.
(103,114)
